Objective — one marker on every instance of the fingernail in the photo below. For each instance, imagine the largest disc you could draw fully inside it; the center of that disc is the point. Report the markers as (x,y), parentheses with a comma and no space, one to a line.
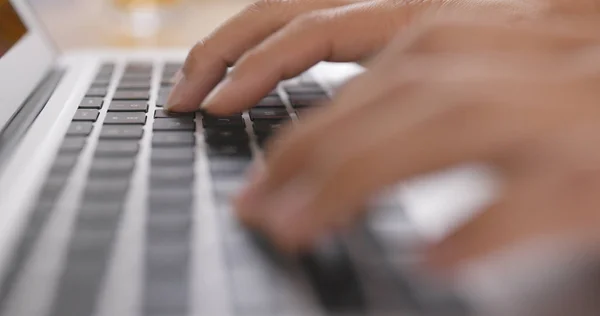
(209,101)
(179,91)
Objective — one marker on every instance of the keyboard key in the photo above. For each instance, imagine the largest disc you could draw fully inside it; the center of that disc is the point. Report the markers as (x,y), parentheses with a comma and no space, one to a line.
(237,150)
(160,113)
(134,85)
(306,100)
(174,124)
(107,185)
(223,121)
(229,167)
(333,277)
(122,132)
(164,91)
(97,92)
(170,232)
(139,67)
(271,101)
(168,139)
(107,68)
(269,114)
(169,156)
(131,95)
(89,115)
(111,167)
(91,103)
(128,106)
(166,298)
(171,176)
(80,129)
(64,163)
(161,101)
(117,148)
(125,118)
(267,127)
(101,82)
(225,135)
(304,89)
(73,144)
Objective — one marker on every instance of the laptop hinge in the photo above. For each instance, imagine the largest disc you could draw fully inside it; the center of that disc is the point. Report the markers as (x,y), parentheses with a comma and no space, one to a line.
(20,122)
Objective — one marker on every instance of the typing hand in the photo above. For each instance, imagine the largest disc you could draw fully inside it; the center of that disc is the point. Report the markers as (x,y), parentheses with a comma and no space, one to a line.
(276,39)
(522,98)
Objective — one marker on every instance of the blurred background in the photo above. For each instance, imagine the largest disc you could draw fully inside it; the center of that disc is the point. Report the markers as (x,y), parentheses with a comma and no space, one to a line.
(80,24)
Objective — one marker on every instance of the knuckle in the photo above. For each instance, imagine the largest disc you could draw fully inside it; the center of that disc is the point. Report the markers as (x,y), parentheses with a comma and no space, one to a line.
(313,20)
(435,36)
(194,57)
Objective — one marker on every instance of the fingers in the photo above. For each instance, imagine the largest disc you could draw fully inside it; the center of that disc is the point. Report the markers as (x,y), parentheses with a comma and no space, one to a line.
(207,62)
(344,33)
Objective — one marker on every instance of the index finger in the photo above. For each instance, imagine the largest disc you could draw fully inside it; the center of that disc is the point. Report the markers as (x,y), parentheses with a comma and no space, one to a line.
(207,62)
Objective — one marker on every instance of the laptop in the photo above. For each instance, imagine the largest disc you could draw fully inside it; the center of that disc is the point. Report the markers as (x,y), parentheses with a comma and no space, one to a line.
(109,206)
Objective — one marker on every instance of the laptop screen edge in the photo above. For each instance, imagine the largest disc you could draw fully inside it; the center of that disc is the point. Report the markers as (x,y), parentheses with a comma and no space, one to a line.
(24,64)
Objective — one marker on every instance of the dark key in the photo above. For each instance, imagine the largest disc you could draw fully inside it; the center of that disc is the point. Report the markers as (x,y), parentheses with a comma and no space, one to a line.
(174,124)
(223,121)
(80,129)
(161,101)
(233,150)
(101,82)
(331,273)
(104,77)
(134,85)
(164,91)
(64,164)
(173,66)
(128,106)
(117,148)
(271,101)
(111,167)
(267,127)
(136,77)
(107,68)
(107,185)
(131,95)
(89,115)
(265,113)
(139,67)
(160,113)
(171,176)
(168,139)
(304,89)
(122,132)
(125,118)
(73,144)
(305,100)
(91,103)
(228,167)
(225,135)
(167,156)
(97,92)
(166,298)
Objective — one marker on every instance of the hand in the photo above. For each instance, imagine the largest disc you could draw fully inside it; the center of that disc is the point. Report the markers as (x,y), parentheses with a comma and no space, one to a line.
(523,99)
(274,39)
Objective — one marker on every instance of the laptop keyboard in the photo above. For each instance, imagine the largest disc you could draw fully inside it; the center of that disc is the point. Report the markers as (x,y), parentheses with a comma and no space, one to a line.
(340,283)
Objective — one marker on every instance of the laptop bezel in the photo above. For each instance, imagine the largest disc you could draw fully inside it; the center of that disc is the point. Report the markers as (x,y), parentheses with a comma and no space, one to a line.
(25,64)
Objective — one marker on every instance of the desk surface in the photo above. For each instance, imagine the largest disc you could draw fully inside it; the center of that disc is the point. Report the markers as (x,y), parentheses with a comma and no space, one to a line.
(96,23)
